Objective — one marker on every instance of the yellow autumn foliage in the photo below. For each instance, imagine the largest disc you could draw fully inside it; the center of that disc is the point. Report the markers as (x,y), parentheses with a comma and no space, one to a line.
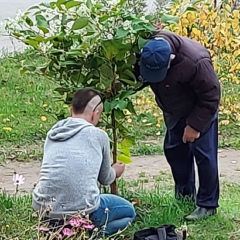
(216,28)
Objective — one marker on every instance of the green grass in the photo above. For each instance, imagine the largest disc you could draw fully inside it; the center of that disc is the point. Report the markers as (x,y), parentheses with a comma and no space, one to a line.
(156,207)
(29,108)
(22,103)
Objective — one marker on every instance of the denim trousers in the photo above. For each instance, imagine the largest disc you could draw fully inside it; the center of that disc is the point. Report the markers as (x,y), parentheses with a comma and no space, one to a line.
(114,212)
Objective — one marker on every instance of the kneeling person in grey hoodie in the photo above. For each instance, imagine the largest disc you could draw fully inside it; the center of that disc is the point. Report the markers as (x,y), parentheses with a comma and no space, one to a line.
(76,157)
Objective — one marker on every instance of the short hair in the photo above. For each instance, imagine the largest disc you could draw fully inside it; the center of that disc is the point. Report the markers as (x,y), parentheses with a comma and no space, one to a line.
(82,97)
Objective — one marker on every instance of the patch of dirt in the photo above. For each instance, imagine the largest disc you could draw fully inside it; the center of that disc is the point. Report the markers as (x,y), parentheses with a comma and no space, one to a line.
(146,167)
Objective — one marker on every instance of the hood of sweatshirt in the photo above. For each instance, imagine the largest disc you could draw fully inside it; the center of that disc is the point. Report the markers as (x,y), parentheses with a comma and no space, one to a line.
(67,128)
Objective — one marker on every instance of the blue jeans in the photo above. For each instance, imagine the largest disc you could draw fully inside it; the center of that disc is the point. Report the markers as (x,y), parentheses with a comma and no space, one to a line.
(115,212)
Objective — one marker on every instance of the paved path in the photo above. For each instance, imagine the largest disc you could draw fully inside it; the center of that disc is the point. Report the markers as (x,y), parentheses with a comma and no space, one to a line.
(147,166)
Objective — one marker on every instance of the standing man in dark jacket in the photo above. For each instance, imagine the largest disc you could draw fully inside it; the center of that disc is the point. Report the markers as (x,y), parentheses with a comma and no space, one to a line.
(181,75)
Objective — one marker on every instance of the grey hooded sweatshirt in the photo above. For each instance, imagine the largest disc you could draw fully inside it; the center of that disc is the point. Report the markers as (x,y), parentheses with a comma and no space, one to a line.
(76,156)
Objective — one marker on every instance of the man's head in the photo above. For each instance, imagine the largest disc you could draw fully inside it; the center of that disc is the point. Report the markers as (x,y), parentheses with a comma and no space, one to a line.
(87,104)
(155,60)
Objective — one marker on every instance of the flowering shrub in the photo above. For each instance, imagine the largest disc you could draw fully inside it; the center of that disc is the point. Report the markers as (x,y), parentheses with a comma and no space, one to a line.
(89,44)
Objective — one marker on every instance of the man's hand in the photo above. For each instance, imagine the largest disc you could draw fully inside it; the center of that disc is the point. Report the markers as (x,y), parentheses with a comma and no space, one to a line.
(190,135)
(119,168)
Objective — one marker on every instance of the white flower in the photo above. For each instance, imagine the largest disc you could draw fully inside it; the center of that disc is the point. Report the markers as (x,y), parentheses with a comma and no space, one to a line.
(83,10)
(127,25)
(45,47)
(109,36)
(18,179)
(20,16)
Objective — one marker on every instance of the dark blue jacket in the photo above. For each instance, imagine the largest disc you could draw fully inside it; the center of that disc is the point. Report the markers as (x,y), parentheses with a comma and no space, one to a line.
(191,89)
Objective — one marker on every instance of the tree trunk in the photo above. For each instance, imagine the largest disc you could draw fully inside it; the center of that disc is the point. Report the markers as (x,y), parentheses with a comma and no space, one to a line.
(114,189)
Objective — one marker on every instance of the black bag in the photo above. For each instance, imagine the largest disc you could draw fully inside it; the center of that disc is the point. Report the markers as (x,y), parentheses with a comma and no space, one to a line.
(164,232)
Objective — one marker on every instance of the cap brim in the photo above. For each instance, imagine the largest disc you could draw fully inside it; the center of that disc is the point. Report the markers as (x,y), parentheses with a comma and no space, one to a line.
(153,76)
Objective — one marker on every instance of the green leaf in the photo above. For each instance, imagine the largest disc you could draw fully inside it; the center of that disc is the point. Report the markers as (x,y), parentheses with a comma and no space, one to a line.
(98,6)
(41,69)
(130,74)
(32,43)
(114,104)
(107,107)
(126,143)
(69,62)
(150,17)
(29,21)
(149,27)
(130,82)
(191,9)
(142,42)
(27,68)
(106,72)
(125,151)
(130,108)
(120,4)
(89,4)
(61,90)
(196,1)
(89,33)
(104,18)
(60,2)
(138,28)
(34,7)
(131,59)
(125,94)
(119,114)
(39,39)
(42,23)
(121,33)
(110,48)
(16,34)
(80,23)
(124,159)
(56,38)
(72,4)
(166,18)
(45,5)
(57,51)
(122,104)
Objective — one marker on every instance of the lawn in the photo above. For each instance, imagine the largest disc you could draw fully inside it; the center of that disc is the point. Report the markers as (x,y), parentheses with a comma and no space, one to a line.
(28,109)
(155,207)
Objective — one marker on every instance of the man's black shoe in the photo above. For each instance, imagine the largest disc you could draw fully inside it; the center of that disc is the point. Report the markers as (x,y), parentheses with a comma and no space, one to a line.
(201,212)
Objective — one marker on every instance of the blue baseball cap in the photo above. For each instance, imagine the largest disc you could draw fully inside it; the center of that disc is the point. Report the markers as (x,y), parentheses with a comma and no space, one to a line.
(154,60)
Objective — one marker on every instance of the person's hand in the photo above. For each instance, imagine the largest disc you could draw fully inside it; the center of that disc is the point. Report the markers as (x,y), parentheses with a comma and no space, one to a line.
(190,134)
(119,168)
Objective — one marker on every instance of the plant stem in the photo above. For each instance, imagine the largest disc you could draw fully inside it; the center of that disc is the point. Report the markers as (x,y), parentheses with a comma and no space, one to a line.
(114,131)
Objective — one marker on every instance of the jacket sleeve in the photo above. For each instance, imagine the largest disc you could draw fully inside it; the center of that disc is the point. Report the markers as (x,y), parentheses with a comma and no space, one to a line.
(207,89)
(107,174)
